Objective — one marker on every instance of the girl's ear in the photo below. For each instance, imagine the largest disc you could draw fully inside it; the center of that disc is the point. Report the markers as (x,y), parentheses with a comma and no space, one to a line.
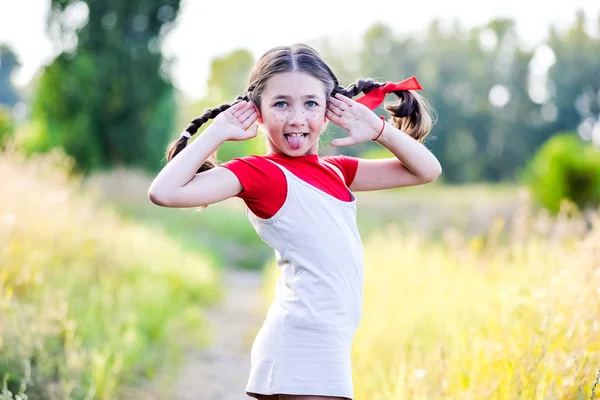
(259,119)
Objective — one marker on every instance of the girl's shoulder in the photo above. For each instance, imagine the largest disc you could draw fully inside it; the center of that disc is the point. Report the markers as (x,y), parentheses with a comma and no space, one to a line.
(346,164)
(250,161)
(264,185)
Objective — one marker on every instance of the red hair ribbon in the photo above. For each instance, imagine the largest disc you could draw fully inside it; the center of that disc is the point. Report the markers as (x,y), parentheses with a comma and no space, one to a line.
(376,96)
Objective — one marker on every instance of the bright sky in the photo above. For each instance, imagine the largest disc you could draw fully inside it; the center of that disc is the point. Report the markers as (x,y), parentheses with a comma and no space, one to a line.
(208,29)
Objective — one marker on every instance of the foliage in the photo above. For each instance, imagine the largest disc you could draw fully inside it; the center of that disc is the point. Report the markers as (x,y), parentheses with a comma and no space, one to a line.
(108,101)
(496,101)
(90,302)
(7,125)
(507,315)
(465,73)
(8,63)
(222,231)
(565,168)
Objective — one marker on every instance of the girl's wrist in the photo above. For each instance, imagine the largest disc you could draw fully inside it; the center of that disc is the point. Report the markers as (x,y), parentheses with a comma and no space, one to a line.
(379,129)
(218,136)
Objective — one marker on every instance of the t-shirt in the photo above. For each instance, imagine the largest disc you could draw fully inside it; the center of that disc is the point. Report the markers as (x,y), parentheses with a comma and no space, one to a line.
(265,187)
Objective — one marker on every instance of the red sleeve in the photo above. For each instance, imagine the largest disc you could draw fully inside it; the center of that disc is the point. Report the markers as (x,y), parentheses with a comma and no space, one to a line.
(348,165)
(264,185)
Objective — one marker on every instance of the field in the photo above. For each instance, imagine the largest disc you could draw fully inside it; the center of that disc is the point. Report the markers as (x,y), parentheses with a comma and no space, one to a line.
(501,304)
(90,302)
(470,292)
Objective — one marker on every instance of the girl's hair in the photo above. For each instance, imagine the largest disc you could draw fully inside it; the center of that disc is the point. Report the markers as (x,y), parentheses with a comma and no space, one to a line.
(410,113)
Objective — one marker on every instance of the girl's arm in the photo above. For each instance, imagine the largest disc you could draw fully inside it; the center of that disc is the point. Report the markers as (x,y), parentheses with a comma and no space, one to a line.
(178,184)
(414,164)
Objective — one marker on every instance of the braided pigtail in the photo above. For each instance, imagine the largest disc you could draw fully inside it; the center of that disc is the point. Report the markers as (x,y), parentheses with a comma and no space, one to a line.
(360,86)
(176,146)
(411,113)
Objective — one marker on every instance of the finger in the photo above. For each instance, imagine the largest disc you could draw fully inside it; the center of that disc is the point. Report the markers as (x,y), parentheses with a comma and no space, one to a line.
(252,131)
(244,116)
(239,111)
(343,106)
(337,103)
(336,119)
(335,110)
(345,99)
(250,120)
(345,141)
(234,108)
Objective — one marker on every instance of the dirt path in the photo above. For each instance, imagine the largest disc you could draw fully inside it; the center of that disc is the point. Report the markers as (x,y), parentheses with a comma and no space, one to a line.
(221,371)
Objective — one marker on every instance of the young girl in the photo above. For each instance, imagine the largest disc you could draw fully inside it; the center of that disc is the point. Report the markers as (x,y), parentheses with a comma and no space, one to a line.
(303,205)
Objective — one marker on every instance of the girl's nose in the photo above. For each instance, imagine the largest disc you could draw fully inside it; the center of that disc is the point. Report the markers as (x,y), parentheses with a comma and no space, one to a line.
(297,117)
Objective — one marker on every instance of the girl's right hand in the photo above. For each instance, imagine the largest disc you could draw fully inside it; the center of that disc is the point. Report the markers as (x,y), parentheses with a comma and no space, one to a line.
(237,122)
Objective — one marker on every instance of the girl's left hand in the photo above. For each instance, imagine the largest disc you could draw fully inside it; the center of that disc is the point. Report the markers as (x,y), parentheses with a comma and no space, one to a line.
(361,123)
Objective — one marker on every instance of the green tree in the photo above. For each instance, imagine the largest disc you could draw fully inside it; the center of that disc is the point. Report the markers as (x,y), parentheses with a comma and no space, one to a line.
(7,126)
(108,99)
(8,64)
(575,76)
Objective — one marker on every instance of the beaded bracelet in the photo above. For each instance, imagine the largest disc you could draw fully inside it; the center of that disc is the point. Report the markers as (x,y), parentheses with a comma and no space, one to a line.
(381,131)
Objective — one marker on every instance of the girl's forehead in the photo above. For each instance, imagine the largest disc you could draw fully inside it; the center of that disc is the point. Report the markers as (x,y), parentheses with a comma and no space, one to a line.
(294,84)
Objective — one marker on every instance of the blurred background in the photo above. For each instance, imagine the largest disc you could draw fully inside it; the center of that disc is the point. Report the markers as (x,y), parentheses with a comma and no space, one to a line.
(482,285)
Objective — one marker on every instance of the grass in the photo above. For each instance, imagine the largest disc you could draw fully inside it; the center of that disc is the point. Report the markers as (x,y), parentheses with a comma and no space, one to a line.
(508,314)
(221,230)
(90,303)
(431,209)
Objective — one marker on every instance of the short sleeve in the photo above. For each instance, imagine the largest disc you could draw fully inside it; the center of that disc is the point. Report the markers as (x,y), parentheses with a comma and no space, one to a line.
(348,165)
(264,185)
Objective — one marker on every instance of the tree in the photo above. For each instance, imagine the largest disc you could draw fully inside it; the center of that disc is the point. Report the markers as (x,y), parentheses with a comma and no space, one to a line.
(107,98)
(575,76)
(8,63)
(7,125)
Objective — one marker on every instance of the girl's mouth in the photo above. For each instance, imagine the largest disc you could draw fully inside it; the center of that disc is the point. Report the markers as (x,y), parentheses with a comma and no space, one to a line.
(295,140)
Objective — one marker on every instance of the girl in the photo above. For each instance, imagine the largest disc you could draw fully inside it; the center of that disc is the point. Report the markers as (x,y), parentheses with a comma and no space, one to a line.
(303,205)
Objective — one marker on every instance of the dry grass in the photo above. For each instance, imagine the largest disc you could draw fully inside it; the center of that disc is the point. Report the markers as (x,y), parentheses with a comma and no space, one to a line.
(88,302)
(509,314)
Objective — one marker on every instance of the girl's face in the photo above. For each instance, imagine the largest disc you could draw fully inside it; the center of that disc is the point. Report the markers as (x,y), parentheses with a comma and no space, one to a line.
(292,110)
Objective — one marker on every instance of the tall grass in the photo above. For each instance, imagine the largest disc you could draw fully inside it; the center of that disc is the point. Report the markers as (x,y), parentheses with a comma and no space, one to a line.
(221,231)
(513,314)
(89,303)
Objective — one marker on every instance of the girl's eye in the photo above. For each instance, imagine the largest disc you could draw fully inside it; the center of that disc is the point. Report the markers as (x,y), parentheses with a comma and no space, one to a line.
(280,104)
(311,104)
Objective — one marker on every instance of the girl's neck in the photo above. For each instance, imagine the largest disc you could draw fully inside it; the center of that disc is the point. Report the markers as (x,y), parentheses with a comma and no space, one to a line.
(313,151)
(283,155)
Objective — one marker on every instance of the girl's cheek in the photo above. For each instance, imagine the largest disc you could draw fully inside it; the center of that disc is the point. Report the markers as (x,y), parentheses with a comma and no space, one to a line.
(279,116)
(315,115)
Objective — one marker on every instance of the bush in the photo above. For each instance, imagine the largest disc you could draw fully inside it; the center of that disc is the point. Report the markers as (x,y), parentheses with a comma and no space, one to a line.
(565,169)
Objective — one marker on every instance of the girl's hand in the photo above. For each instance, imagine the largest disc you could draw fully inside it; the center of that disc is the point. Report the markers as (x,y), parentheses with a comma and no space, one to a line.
(361,123)
(234,122)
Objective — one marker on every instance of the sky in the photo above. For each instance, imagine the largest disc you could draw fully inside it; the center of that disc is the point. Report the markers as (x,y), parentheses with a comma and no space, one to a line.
(205,30)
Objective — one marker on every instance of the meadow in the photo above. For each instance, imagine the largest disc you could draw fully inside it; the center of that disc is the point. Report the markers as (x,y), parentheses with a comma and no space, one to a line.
(506,312)
(470,292)
(91,302)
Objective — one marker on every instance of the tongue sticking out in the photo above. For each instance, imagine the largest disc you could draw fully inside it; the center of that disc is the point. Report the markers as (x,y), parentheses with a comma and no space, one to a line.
(295,141)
